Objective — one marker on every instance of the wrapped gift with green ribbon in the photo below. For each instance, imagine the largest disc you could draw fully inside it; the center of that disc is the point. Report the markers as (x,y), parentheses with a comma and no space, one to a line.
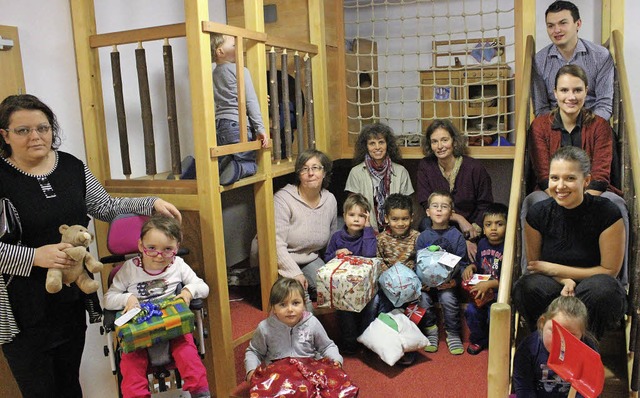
(149,328)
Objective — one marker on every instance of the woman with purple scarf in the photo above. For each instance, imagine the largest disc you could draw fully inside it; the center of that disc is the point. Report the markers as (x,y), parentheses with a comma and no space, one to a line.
(445,168)
(376,173)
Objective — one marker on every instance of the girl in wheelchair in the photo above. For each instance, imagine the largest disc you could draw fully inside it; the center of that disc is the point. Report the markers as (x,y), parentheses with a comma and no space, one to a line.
(154,274)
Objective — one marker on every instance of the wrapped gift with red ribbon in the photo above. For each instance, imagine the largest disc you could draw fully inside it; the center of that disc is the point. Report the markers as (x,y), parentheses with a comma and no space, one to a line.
(488,296)
(302,378)
(348,283)
(415,313)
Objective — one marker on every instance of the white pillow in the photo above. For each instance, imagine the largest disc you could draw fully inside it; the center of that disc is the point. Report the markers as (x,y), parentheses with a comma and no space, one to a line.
(384,341)
(389,344)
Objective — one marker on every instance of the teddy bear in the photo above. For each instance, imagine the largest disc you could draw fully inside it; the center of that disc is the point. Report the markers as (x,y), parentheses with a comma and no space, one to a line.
(80,238)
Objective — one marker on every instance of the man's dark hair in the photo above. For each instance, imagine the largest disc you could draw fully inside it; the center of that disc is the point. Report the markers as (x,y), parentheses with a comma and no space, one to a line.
(562,5)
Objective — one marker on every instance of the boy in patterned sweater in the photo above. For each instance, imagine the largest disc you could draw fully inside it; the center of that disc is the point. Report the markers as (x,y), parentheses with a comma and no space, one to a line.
(397,243)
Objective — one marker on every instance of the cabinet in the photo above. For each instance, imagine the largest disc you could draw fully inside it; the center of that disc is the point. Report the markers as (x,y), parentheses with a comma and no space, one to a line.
(475,99)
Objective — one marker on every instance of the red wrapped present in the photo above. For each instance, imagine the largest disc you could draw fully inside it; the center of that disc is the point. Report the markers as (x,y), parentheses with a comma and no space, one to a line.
(415,313)
(301,378)
(488,296)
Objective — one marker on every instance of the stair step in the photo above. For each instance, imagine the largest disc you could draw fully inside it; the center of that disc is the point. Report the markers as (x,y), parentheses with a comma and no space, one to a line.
(614,357)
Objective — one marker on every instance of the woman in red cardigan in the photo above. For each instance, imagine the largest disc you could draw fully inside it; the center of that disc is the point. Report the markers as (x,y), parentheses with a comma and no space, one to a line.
(570,124)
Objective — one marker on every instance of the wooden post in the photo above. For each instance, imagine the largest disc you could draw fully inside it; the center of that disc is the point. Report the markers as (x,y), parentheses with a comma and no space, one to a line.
(145,108)
(121,115)
(308,85)
(286,108)
(299,105)
(274,106)
(222,375)
(172,114)
(500,352)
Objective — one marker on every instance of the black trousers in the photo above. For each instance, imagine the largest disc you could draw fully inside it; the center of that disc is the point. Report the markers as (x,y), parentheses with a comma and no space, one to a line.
(603,296)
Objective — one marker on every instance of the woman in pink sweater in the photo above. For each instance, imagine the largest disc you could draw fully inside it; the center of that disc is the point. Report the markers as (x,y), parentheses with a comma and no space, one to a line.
(306,216)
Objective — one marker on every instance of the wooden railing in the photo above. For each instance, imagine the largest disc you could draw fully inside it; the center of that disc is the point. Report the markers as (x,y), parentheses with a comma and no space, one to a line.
(625,125)
(500,329)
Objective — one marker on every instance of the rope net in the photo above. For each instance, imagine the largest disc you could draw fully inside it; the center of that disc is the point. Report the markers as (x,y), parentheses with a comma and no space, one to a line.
(412,61)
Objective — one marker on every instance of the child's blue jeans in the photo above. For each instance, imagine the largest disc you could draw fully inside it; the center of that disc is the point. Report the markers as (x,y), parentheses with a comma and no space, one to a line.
(228,132)
(450,308)
(478,323)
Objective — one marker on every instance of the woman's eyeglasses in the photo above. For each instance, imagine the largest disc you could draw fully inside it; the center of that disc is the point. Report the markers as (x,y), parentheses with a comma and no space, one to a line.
(24,131)
(168,253)
(312,169)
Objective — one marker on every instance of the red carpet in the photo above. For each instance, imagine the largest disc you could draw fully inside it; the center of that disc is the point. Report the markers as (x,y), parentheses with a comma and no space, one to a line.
(437,374)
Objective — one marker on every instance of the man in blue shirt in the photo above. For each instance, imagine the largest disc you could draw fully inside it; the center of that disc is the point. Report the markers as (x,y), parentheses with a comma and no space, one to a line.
(563,22)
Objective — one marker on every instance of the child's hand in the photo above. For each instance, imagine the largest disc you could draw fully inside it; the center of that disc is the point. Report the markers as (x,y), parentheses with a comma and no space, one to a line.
(186,295)
(367,222)
(344,252)
(132,302)
(447,285)
(468,272)
(250,375)
(265,140)
(569,286)
(338,364)
(480,289)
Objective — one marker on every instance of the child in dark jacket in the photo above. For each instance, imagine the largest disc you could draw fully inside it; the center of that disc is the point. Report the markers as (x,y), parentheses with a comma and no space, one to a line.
(488,262)
(357,238)
(450,239)
(532,378)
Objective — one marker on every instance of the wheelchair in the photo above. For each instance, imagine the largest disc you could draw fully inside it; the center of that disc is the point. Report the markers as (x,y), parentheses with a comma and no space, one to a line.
(122,239)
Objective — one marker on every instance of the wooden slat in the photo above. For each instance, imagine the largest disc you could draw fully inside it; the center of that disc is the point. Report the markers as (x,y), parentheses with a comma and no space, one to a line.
(137,35)
(214,27)
(295,45)
(218,151)
(485,152)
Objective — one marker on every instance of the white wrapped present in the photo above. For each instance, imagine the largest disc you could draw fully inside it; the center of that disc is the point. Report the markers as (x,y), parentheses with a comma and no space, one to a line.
(348,283)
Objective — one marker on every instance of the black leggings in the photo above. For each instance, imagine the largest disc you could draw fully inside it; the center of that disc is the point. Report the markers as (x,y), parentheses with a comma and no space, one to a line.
(42,371)
(603,296)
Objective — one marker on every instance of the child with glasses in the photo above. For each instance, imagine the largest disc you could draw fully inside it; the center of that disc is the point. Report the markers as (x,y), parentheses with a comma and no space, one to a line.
(450,239)
(155,274)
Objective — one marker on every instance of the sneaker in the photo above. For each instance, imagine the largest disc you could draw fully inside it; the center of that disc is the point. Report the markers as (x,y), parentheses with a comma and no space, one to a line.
(432,335)
(407,359)
(474,349)
(455,344)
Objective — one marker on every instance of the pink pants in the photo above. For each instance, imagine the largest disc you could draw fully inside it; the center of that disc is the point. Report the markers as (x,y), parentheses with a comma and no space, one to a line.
(184,352)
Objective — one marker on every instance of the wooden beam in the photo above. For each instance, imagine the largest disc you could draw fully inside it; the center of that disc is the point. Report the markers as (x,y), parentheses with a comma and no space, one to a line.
(220,342)
(137,35)
(263,190)
(319,65)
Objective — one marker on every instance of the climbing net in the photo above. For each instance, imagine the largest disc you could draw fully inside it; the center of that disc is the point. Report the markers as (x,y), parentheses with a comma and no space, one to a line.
(412,61)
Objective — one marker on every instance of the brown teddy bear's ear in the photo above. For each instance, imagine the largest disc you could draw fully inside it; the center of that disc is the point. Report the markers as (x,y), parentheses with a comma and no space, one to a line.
(63,228)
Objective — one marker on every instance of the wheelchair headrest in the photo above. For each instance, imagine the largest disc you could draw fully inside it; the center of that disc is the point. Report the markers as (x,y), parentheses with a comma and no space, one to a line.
(124,232)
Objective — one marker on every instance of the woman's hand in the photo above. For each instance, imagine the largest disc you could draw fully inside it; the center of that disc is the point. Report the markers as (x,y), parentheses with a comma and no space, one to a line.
(52,256)
(186,295)
(132,302)
(468,272)
(163,207)
(472,249)
(250,375)
(541,267)
(303,281)
(569,287)
(467,229)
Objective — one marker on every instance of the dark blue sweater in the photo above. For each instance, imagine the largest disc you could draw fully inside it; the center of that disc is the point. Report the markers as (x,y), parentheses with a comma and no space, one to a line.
(364,245)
